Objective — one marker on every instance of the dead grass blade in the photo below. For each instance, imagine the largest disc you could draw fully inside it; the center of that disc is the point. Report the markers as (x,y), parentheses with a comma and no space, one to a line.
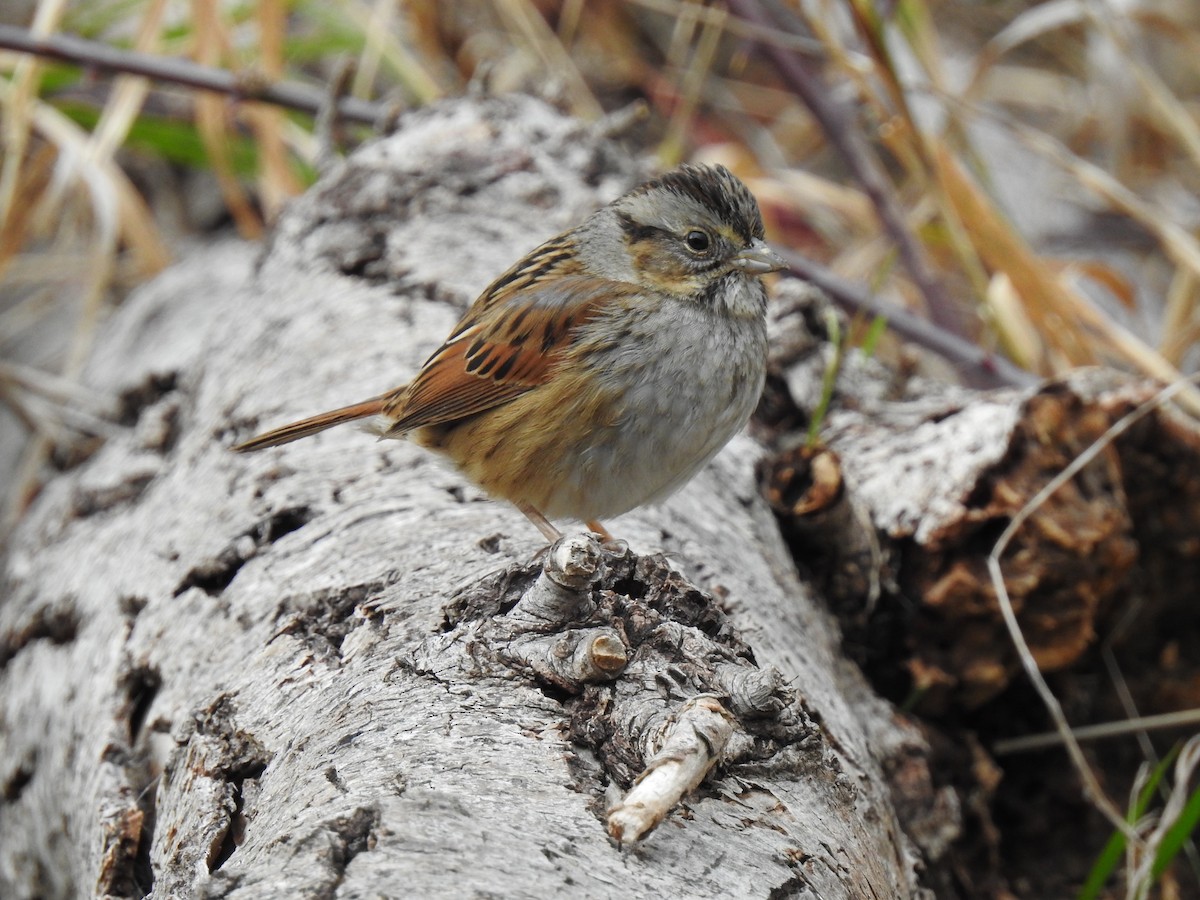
(528,28)
(276,180)
(736,27)
(1136,725)
(395,52)
(99,179)
(18,101)
(1161,102)
(692,84)
(1004,250)
(1091,783)
(380,24)
(211,44)
(1181,318)
(1018,334)
(1028,25)
(35,179)
(1071,327)
(128,91)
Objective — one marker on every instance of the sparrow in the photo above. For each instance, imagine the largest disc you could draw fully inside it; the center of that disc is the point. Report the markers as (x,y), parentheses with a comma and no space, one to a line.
(605,368)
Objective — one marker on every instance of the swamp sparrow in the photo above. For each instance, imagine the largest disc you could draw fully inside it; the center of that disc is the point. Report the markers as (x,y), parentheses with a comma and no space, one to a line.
(605,368)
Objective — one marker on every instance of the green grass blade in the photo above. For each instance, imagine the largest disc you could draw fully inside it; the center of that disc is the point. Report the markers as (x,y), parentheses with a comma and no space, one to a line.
(1110,857)
(874,332)
(1177,835)
(828,381)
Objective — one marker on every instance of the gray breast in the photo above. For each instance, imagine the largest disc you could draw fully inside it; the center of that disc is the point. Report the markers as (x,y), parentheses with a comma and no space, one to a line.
(690,380)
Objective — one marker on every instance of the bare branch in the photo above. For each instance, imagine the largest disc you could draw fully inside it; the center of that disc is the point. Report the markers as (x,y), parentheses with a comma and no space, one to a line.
(849,144)
(983,368)
(290,94)
(691,746)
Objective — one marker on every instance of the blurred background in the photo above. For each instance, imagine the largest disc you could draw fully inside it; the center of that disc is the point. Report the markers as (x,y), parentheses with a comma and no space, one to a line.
(1020,175)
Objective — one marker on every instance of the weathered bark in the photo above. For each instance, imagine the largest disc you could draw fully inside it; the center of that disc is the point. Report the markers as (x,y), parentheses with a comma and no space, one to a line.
(926,479)
(895,516)
(303,673)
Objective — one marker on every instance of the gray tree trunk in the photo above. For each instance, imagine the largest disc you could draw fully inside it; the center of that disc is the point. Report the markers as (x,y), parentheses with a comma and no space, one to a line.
(303,673)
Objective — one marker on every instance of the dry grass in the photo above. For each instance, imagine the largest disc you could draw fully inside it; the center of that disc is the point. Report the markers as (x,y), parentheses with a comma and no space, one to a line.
(940,97)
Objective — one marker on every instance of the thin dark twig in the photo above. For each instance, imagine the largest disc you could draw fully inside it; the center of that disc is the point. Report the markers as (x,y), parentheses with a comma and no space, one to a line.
(848,142)
(988,369)
(183,71)
(325,126)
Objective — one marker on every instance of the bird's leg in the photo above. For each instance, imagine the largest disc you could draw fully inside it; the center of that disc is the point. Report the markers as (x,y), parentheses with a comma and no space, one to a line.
(544,525)
(599,529)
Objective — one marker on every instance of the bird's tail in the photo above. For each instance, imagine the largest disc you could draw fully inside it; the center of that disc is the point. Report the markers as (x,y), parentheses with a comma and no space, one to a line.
(285,434)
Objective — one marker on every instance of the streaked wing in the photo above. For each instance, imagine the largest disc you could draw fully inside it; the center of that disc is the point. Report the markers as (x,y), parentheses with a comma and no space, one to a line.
(506,345)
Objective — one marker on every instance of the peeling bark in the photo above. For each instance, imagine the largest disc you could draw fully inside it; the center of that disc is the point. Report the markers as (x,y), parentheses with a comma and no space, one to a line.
(938,476)
(913,486)
(328,670)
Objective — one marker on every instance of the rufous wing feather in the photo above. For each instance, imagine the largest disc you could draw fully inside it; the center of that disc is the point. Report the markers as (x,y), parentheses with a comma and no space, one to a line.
(505,346)
(285,434)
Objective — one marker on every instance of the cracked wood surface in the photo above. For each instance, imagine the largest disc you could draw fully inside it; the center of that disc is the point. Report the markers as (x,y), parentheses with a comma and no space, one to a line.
(250,677)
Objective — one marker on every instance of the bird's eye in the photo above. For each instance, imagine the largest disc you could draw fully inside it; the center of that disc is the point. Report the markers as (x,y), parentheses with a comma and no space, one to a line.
(698,241)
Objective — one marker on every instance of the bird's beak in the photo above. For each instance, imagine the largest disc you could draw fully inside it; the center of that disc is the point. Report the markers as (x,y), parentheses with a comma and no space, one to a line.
(758,259)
